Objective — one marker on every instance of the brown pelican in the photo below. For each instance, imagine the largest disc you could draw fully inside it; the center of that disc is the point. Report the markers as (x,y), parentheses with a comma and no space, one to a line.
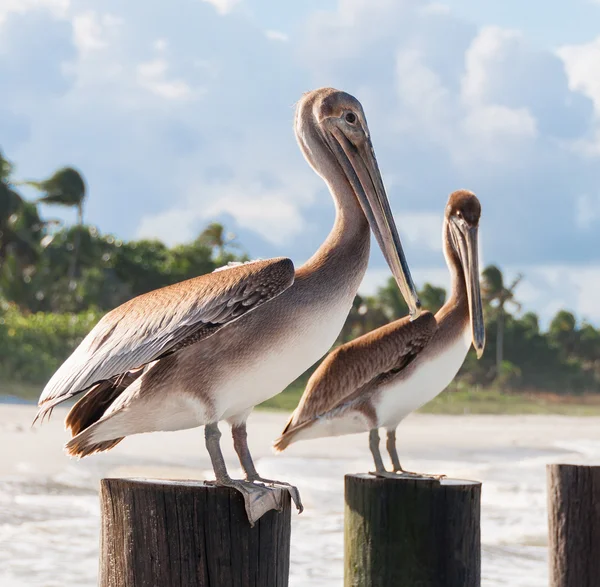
(194,354)
(376,380)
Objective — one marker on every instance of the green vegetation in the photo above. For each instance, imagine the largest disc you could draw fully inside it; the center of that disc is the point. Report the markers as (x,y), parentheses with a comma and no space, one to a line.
(57,281)
(458,402)
(33,346)
(491,401)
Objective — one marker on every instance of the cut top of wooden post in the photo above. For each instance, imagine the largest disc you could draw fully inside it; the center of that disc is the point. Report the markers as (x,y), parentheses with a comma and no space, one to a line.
(412,531)
(187,533)
(444,481)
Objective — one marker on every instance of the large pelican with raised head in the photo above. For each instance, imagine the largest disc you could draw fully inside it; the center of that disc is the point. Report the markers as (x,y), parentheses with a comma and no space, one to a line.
(211,348)
(376,380)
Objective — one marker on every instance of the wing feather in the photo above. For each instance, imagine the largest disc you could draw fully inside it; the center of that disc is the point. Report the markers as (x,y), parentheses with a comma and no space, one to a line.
(154,324)
(345,372)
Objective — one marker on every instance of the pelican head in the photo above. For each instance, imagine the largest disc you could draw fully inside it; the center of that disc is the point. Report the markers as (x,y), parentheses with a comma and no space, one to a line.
(462,217)
(332,131)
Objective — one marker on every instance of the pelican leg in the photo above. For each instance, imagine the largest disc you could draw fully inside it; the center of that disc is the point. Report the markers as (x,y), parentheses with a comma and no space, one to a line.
(391,448)
(258,499)
(240,443)
(374,446)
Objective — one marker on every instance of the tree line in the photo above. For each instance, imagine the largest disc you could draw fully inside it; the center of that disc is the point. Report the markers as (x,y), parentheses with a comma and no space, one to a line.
(56,281)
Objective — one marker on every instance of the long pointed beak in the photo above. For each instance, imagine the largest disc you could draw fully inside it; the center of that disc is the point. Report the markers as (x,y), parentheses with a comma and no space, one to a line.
(470,262)
(362,171)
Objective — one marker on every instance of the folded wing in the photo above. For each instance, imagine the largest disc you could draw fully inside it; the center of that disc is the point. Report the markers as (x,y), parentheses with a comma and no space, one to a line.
(160,322)
(348,370)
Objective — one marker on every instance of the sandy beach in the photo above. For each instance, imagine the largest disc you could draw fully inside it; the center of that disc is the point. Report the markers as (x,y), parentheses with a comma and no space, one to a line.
(48,502)
(421,437)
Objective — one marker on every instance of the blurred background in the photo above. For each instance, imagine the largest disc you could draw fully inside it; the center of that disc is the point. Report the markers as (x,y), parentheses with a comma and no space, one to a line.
(146,142)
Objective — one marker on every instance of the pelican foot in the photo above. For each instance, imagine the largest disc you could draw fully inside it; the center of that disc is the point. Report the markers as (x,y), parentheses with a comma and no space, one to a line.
(291,489)
(384,474)
(405,475)
(258,499)
(402,473)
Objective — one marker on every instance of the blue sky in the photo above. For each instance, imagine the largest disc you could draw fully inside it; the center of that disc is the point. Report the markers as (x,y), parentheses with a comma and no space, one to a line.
(179,113)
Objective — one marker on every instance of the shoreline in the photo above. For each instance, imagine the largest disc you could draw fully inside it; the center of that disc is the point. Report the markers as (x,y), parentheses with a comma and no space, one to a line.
(421,437)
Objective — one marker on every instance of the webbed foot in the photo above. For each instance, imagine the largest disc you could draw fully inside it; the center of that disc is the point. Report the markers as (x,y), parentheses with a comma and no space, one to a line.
(258,499)
(291,489)
(402,474)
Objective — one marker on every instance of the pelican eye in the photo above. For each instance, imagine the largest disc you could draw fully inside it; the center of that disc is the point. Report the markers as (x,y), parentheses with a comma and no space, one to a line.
(350,117)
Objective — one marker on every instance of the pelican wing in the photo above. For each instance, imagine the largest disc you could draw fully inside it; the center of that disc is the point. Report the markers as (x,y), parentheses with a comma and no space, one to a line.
(351,368)
(162,321)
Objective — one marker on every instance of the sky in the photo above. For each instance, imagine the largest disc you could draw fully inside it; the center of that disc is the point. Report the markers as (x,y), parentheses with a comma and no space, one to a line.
(180,113)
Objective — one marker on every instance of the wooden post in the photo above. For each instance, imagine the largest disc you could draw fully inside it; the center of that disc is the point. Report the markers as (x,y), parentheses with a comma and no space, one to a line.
(412,532)
(574,525)
(159,533)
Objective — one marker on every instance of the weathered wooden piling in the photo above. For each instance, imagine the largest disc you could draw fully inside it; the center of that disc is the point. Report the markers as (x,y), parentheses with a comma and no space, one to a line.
(574,525)
(159,533)
(412,532)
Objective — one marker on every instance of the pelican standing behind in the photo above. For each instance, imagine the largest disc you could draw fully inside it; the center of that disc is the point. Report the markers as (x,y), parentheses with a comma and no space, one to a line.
(212,348)
(376,380)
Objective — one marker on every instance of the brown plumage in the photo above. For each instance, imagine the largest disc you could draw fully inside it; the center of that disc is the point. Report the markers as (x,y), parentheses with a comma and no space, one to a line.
(154,325)
(90,408)
(352,368)
(380,377)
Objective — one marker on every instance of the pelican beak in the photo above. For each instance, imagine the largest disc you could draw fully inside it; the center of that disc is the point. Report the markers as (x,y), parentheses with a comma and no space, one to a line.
(361,169)
(466,237)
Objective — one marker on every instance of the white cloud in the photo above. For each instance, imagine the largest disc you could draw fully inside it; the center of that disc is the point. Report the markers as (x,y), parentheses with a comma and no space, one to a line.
(422,229)
(223,6)
(174,226)
(492,49)
(495,131)
(276,36)
(436,8)
(161,45)
(56,7)
(91,30)
(152,75)
(470,124)
(582,63)
(422,91)
(567,286)
(582,66)
(493,120)
(273,213)
(587,211)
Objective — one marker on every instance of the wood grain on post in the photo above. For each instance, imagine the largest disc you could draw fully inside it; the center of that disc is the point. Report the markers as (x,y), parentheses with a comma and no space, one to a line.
(574,525)
(412,532)
(159,533)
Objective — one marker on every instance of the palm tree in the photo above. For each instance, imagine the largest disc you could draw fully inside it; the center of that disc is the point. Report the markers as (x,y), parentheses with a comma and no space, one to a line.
(22,236)
(20,225)
(65,187)
(563,332)
(221,242)
(496,294)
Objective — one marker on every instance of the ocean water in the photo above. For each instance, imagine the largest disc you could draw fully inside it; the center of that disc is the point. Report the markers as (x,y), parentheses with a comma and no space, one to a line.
(49,525)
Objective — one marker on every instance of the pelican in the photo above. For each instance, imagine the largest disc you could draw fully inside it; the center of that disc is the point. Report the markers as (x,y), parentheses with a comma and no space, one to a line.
(210,349)
(376,380)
